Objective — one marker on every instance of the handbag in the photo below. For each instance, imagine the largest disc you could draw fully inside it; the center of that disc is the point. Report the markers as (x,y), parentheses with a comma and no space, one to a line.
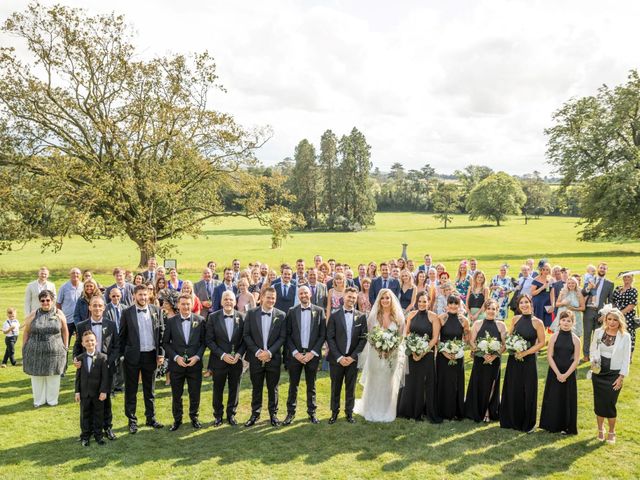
(636,319)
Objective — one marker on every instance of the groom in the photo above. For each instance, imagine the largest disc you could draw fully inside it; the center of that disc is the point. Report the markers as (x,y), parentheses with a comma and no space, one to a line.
(346,337)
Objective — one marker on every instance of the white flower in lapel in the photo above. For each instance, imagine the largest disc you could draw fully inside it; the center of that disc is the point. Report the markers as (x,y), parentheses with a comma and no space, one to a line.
(314,314)
(104,330)
(194,324)
(236,317)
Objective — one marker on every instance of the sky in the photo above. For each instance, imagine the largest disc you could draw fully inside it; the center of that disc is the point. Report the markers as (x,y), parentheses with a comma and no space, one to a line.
(446,83)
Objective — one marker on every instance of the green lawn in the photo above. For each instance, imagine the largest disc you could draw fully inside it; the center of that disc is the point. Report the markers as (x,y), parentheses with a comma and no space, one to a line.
(43,443)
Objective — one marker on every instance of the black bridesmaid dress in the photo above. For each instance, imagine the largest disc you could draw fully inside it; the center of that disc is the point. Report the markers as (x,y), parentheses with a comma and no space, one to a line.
(483,393)
(450,378)
(560,400)
(520,389)
(405,298)
(417,399)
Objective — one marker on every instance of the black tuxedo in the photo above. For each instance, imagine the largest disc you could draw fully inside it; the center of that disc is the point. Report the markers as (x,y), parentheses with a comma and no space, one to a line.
(317,335)
(270,370)
(137,363)
(377,285)
(217,295)
(337,341)
(109,348)
(176,345)
(90,384)
(114,313)
(219,344)
(283,302)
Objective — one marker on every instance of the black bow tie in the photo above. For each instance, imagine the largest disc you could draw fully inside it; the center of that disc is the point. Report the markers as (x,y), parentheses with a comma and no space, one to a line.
(188,319)
(91,356)
(348,311)
(228,316)
(93,324)
(266,314)
(144,310)
(306,308)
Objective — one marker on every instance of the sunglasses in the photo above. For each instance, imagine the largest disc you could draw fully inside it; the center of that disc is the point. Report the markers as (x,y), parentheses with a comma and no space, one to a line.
(45,300)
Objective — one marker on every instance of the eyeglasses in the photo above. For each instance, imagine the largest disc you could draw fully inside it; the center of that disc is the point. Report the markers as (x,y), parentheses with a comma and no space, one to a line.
(45,300)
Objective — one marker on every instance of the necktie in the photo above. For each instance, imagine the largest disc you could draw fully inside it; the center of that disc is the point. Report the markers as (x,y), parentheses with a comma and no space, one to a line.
(286,290)
(384,284)
(117,314)
(209,289)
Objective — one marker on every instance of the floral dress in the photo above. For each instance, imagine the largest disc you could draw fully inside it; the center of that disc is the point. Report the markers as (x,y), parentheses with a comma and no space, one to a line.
(622,300)
(501,295)
(462,286)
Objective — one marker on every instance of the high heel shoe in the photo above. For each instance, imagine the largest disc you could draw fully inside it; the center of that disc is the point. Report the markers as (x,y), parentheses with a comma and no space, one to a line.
(611,438)
(601,435)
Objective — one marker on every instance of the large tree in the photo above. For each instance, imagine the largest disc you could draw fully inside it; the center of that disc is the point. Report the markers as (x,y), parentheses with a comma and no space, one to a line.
(105,143)
(328,162)
(447,201)
(595,143)
(538,194)
(471,176)
(305,183)
(496,197)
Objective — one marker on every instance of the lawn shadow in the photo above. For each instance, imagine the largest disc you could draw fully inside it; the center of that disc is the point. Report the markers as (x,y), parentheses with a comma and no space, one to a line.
(237,232)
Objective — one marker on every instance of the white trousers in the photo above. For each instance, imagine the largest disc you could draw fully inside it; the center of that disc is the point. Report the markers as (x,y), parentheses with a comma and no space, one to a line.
(45,390)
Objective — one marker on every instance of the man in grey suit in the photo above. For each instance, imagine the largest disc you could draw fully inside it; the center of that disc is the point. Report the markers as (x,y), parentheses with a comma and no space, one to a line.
(597,293)
(318,290)
(31,301)
(204,290)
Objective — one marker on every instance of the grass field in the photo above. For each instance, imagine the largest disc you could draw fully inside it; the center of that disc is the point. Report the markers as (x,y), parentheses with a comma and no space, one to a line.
(42,443)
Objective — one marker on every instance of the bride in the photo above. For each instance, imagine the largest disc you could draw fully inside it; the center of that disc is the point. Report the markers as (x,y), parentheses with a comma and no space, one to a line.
(381,377)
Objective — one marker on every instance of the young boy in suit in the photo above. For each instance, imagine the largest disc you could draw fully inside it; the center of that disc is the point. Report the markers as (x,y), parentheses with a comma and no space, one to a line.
(92,388)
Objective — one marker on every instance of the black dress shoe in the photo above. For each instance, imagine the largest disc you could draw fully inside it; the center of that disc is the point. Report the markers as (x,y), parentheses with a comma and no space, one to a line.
(313,419)
(232,421)
(275,422)
(175,426)
(350,419)
(334,417)
(85,442)
(195,423)
(133,427)
(109,434)
(100,441)
(217,422)
(154,423)
(252,421)
(289,418)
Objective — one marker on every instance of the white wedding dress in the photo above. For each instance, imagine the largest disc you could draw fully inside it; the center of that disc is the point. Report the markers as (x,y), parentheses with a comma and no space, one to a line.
(381,380)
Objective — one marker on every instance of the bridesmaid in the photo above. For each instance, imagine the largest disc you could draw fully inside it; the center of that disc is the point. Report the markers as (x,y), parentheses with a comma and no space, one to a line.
(407,292)
(483,393)
(560,400)
(520,389)
(450,378)
(417,398)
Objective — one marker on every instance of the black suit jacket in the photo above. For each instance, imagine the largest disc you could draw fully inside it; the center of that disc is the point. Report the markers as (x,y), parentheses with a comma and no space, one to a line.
(109,313)
(95,382)
(218,339)
(317,333)
(337,335)
(217,295)
(110,340)
(253,335)
(285,303)
(130,335)
(175,343)
(376,286)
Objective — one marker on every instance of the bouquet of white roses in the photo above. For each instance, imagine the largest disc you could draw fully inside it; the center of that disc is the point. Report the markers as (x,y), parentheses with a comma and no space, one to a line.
(452,347)
(416,344)
(384,341)
(488,346)
(515,343)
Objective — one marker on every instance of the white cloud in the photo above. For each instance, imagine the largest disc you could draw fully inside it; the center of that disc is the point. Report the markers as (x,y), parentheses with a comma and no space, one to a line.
(449,83)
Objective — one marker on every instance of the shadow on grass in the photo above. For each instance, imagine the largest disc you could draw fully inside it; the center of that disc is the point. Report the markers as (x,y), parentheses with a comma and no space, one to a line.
(516,267)
(238,232)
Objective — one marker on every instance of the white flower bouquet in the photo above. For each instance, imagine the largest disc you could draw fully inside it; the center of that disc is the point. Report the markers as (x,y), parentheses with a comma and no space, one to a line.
(452,347)
(384,341)
(488,346)
(416,344)
(515,343)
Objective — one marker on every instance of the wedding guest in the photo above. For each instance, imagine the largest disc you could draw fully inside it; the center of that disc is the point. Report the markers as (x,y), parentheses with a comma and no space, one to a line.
(149,274)
(300,270)
(255,284)
(372,269)
(598,292)
(395,273)
(184,344)
(318,290)
(174,283)
(45,343)
(428,263)
(81,311)
(106,342)
(285,290)
(625,299)
(264,335)
(560,400)
(335,297)
(226,285)
(141,330)
(364,305)
(440,269)
(68,296)
(571,299)
(235,263)
(557,284)
(138,279)
(306,332)
(444,292)
(91,389)
(477,295)
(346,336)
(161,289)
(332,266)
(160,272)
(11,330)
(450,367)
(411,266)
(383,281)
(326,271)
(169,309)
(362,274)
(245,300)
(473,267)
(541,293)
(87,275)
(524,281)
(317,260)
(224,334)
(211,265)
(126,289)
(31,302)
(519,400)
(500,288)
(421,281)
(417,398)
(196,305)
(462,281)
(153,298)
(483,393)
(113,312)
(128,277)
(408,291)
(611,351)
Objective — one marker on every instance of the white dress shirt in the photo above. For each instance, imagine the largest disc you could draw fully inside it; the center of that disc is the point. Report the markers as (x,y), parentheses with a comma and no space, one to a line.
(348,319)
(266,326)
(228,323)
(186,328)
(96,328)
(145,327)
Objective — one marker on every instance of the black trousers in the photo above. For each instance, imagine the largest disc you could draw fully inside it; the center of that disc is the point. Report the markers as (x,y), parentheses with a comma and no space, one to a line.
(193,376)
(91,417)
(10,342)
(259,374)
(117,381)
(147,369)
(295,372)
(222,374)
(348,376)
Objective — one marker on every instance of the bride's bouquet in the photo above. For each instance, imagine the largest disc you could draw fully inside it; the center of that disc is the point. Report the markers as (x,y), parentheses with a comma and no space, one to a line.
(488,346)
(452,347)
(416,344)
(515,343)
(384,341)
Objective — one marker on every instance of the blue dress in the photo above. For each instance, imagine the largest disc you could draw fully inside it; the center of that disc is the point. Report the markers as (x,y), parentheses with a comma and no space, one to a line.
(540,301)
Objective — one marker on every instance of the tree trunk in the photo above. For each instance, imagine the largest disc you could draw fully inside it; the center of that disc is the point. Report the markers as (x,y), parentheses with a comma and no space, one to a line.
(147,249)
(526,219)
(497,222)
(445,223)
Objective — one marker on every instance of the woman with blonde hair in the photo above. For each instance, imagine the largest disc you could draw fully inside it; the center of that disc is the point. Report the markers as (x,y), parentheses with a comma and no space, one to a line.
(335,296)
(89,289)
(408,291)
(477,295)
(244,300)
(571,299)
(364,304)
(462,281)
(187,287)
